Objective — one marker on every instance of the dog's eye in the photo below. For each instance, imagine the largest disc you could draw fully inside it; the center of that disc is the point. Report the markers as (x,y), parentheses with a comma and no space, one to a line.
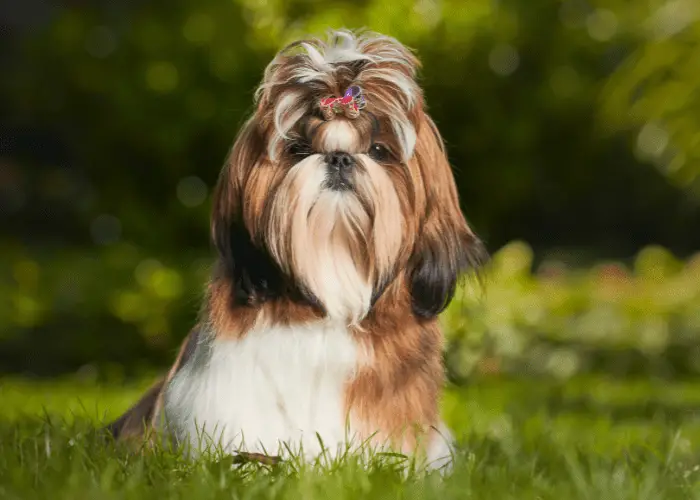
(300,149)
(378,152)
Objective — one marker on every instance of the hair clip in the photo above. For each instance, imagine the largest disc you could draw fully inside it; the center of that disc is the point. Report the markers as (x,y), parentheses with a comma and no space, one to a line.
(350,104)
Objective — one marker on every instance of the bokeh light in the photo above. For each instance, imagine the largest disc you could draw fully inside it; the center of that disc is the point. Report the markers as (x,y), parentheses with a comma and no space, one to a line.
(504,60)
(652,140)
(162,76)
(602,25)
(572,126)
(191,191)
(105,229)
(100,42)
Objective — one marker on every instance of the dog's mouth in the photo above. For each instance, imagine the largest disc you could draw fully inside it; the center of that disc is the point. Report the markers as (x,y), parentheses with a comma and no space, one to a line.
(338,181)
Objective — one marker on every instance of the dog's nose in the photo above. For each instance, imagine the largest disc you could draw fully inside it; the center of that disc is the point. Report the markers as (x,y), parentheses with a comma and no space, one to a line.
(342,162)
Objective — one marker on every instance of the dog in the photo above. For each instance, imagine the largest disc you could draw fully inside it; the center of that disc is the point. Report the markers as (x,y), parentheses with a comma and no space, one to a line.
(339,240)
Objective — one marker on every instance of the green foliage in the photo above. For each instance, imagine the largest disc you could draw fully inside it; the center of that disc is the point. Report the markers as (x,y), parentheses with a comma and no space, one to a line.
(122,309)
(561,321)
(590,438)
(655,92)
(117,309)
(119,120)
(143,98)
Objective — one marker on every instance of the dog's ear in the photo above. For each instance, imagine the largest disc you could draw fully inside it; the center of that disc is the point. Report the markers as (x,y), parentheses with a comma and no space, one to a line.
(254,276)
(445,247)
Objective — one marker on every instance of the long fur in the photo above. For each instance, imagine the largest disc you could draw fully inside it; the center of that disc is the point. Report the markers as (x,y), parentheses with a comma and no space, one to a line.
(362,260)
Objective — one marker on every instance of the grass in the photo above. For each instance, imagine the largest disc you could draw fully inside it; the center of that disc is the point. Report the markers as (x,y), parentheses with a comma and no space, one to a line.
(587,438)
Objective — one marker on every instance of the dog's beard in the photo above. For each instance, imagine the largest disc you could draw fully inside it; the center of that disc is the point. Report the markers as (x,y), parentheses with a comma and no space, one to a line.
(338,244)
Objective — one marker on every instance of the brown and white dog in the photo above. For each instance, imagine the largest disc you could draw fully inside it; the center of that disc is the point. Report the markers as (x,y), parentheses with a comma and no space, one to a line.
(340,239)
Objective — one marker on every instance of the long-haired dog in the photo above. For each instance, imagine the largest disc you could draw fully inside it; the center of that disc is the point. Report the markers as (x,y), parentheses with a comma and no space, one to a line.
(340,239)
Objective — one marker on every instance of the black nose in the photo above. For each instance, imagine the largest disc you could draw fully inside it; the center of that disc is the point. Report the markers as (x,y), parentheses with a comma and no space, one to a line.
(341,162)
(339,175)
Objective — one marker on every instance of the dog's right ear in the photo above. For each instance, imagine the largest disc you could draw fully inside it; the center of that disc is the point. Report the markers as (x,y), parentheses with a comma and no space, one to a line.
(254,276)
(446,247)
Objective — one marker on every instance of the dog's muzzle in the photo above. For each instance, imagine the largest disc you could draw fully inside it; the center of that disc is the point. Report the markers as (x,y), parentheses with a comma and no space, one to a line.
(340,167)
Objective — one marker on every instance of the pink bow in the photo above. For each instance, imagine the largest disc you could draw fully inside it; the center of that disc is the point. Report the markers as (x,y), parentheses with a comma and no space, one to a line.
(350,104)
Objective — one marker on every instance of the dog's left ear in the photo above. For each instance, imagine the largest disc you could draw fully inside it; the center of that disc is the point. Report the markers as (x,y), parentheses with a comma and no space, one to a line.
(445,247)
(254,277)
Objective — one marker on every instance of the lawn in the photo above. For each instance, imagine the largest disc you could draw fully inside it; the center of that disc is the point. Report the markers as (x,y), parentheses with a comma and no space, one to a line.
(589,438)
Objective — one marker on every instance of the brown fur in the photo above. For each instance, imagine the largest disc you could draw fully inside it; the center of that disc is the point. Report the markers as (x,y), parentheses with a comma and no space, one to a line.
(396,395)
(234,322)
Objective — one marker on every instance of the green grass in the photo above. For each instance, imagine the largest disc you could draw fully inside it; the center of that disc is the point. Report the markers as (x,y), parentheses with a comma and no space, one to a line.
(592,438)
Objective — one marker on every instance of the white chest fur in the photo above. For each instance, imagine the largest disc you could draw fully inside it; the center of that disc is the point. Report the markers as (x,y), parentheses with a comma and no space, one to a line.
(275,385)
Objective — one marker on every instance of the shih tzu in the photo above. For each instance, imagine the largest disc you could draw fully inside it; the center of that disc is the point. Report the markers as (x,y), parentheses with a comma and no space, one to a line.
(339,239)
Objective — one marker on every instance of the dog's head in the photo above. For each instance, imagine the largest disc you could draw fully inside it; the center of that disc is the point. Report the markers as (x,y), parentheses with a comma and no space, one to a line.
(339,184)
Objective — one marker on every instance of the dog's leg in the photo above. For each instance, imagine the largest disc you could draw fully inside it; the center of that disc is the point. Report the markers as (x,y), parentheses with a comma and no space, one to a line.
(440,453)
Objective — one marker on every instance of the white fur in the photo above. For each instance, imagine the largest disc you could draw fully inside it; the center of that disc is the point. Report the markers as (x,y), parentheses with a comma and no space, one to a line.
(275,385)
(276,390)
(287,112)
(305,74)
(340,135)
(316,235)
(333,275)
(346,46)
(405,85)
(316,57)
(440,452)
(343,46)
(406,135)
(281,385)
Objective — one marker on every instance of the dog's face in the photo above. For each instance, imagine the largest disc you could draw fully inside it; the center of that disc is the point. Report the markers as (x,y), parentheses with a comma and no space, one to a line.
(337,207)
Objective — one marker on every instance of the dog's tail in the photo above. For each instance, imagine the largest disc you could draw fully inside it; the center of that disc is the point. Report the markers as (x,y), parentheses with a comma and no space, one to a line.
(141,418)
(138,419)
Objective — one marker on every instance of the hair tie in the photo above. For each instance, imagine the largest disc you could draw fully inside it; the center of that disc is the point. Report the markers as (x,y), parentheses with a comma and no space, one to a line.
(350,104)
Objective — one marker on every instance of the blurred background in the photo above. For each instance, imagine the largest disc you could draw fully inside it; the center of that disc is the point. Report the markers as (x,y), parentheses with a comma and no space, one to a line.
(573,127)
